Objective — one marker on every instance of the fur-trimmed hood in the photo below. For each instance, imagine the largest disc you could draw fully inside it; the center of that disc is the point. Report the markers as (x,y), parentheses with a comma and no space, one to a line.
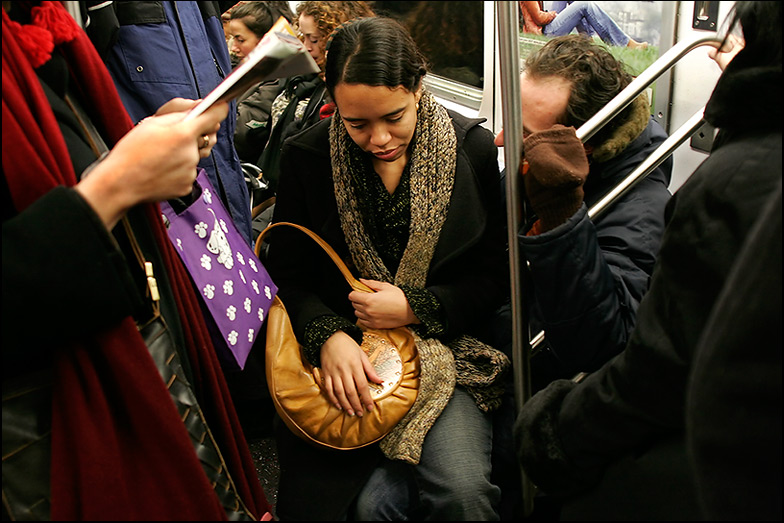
(626,133)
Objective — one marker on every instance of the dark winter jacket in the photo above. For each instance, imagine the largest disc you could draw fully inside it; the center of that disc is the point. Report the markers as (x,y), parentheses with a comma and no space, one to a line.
(468,274)
(624,425)
(588,277)
(162,50)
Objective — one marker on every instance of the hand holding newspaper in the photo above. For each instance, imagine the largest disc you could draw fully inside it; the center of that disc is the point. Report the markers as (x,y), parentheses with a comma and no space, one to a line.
(279,54)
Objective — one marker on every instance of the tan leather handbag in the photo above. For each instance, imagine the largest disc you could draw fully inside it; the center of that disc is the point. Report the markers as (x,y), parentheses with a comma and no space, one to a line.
(295,385)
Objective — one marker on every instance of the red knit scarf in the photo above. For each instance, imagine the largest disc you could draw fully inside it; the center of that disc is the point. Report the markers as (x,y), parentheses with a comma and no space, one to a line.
(119,448)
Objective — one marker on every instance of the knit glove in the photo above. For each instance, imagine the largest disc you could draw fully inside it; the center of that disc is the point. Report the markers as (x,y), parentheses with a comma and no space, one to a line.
(557,168)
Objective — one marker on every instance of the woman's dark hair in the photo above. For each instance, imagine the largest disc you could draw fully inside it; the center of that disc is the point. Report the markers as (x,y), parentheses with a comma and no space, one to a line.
(374,51)
(761,24)
(259,17)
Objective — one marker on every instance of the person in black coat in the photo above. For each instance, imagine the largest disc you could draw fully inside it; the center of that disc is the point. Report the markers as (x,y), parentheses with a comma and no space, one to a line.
(614,446)
(407,194)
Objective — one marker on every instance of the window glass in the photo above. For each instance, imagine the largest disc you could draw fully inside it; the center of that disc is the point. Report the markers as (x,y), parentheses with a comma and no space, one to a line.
(640,21)
(449,34)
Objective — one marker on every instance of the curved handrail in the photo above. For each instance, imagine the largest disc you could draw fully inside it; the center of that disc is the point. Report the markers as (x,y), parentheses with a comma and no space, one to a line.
(638,85)
(656,158)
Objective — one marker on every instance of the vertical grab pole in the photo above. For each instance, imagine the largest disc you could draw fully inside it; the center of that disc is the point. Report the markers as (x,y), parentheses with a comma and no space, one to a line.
(509,54)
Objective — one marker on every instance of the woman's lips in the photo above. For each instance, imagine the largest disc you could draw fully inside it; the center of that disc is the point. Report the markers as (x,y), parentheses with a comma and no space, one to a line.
(386,155)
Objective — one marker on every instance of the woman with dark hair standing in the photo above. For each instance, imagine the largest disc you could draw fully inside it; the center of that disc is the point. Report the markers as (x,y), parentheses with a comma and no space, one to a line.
(407,193)
(303,99)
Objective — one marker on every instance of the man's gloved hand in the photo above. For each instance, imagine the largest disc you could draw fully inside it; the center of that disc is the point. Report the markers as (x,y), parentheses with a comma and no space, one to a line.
(557,169)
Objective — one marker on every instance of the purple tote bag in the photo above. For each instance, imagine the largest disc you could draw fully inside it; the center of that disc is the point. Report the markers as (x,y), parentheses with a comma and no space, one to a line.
(233,284)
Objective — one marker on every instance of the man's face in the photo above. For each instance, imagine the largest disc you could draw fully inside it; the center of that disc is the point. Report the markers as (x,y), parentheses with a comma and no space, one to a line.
(543,101)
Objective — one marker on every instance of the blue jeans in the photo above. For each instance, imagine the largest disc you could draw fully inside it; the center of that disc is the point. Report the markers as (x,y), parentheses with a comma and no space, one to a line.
(593,17)
(452,480)
(582,27)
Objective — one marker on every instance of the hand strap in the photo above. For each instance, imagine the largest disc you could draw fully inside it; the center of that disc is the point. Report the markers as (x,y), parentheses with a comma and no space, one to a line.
(352,281)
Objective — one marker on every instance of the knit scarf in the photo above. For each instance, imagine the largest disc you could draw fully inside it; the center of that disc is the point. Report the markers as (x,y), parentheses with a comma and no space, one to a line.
(466,361)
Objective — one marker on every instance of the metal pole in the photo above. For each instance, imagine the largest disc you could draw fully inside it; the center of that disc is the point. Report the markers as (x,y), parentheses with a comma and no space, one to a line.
(661,153)
(509,55)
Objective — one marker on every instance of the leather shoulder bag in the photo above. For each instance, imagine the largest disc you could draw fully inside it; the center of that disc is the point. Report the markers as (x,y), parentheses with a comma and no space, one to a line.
(295,385)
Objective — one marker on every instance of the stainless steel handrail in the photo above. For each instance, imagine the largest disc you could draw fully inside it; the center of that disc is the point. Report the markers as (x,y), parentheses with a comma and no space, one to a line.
(661,153)
(638,85)
(509,53)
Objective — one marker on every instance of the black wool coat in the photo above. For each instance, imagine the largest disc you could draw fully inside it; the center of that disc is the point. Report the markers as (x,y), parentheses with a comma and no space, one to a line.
(468,275)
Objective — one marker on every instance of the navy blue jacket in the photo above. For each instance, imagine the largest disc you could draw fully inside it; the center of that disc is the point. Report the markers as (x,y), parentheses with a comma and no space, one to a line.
(588,278)
(163,50)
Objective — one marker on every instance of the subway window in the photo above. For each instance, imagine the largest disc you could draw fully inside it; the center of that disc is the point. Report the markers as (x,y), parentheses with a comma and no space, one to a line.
(450,35)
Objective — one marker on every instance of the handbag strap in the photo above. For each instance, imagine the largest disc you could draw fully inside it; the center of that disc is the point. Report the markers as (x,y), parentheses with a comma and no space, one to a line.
(352,281)
(101,150)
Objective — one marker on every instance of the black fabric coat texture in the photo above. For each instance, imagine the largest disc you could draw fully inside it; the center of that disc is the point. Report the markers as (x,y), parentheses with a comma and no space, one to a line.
(468,274)
(614,445)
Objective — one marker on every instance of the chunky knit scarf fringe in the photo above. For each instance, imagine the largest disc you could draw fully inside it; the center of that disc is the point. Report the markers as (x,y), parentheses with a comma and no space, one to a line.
(432,172)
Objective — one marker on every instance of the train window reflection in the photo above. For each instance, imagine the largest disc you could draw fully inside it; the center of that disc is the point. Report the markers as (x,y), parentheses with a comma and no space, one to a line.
(449,34)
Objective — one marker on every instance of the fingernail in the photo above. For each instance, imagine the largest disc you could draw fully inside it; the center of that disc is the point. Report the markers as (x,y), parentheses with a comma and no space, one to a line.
(350,412)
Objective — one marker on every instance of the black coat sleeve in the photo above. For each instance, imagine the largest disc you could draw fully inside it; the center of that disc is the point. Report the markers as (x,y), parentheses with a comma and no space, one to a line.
(63,276)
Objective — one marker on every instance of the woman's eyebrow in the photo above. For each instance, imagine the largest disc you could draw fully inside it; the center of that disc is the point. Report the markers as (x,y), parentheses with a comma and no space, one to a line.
(391,113)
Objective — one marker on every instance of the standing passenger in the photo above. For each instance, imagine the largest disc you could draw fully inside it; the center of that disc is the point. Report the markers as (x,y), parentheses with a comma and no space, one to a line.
(304,98)
(409,193)
(248,23)
(118,448)
(163,50)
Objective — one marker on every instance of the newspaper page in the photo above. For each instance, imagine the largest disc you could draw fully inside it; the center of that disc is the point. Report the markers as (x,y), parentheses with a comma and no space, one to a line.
(279,54)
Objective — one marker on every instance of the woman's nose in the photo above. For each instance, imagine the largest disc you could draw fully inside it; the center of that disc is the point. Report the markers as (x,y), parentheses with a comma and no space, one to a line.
(379,136)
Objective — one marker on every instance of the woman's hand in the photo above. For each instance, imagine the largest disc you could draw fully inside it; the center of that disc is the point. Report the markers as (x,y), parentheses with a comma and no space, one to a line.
(387,308)
(155,161)
(727,52)
(345,370)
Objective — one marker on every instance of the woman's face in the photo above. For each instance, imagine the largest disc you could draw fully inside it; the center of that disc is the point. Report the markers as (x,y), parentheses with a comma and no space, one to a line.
(312,37)
(243,40)
(379,119)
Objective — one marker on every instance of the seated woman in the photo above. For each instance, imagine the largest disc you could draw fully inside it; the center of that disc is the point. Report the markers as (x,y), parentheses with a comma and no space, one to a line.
(585,15)
(408,193)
